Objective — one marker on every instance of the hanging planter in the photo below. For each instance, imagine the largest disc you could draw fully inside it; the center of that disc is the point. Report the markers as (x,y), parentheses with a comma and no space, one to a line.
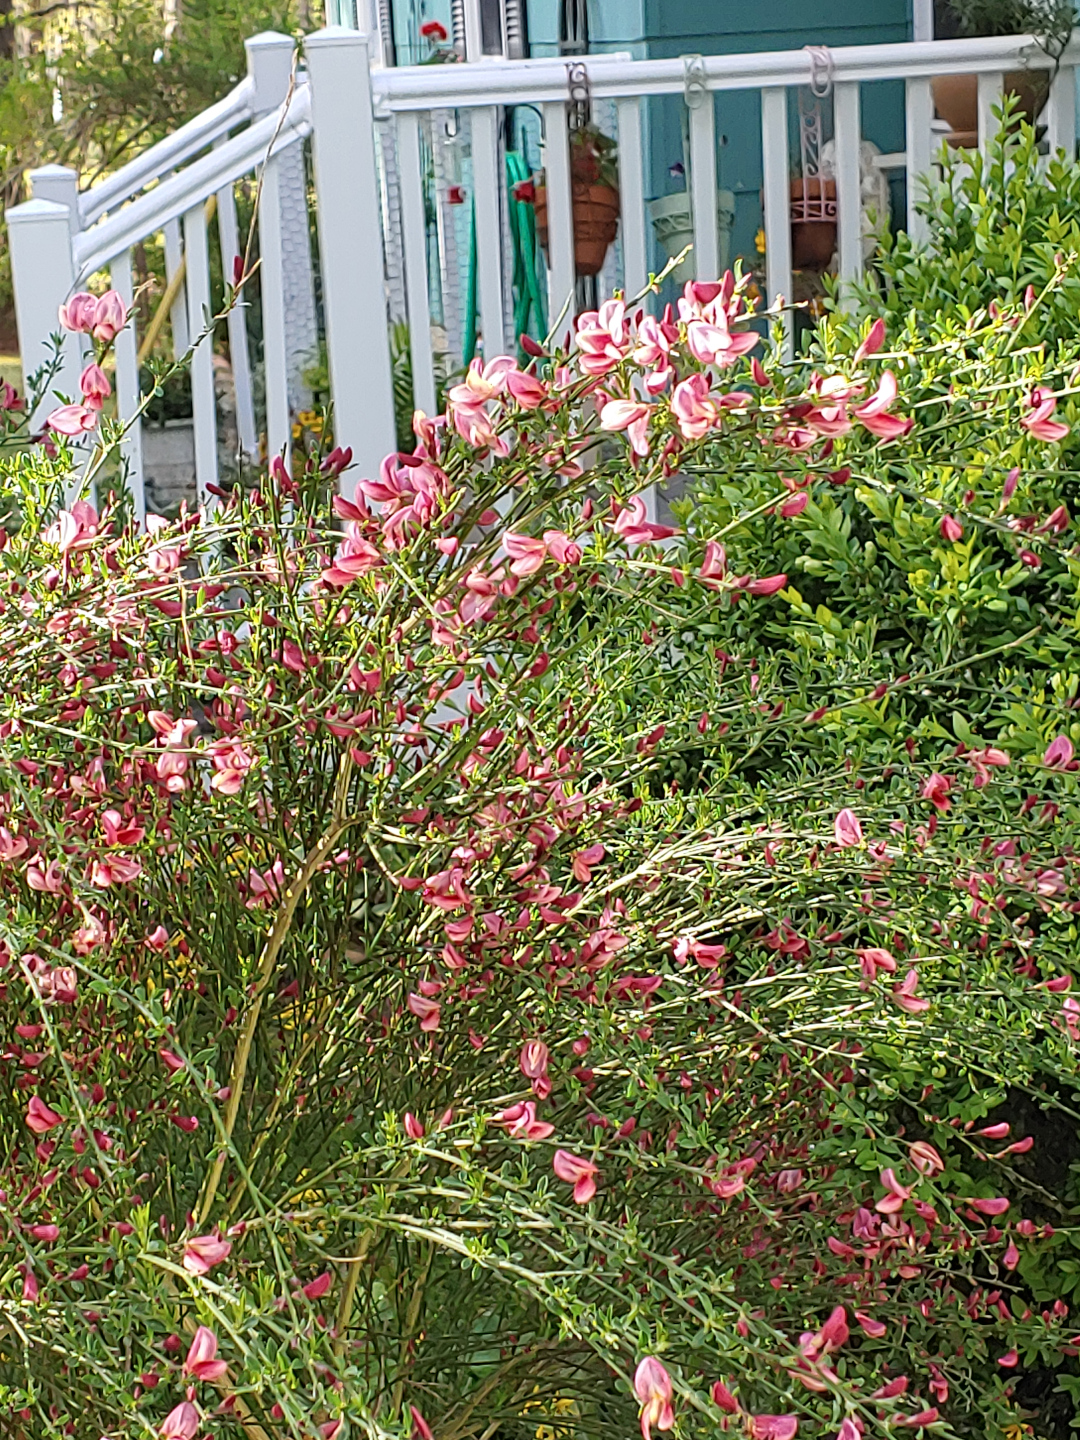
(673,226)
(594,197)
(956,100)
(813,222)
(956,97)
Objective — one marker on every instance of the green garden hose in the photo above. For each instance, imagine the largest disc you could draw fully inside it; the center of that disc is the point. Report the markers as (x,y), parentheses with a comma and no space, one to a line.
(530,312)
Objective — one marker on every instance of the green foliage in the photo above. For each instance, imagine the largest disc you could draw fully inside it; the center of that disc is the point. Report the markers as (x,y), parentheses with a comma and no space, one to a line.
(999,222)
(1051,21)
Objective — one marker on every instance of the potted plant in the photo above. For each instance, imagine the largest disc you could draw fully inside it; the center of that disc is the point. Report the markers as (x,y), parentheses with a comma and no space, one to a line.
(673,224)
(813,221)
(594,186)
(956,96)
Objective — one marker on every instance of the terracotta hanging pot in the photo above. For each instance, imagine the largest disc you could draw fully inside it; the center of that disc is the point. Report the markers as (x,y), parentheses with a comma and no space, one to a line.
(596,219)
(813,239)
(956,99)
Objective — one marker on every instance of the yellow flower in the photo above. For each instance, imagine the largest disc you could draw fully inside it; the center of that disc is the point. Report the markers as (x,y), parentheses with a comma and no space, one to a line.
(296,432)
(759,242)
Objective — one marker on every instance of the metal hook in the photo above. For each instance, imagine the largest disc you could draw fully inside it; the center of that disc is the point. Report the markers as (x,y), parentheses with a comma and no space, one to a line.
(821,70)
(694,81)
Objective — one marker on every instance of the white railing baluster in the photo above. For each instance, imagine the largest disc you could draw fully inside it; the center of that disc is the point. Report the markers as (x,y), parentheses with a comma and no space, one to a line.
(1060,113)
(272,292)
(918,112)
(847,129)
(486,191)
(174,258)
(128,392)
(777,196)
(562,272)
(991,89)
(203,399)
(350,244)
(414,235)
(703,187)
(229,238)
(632,197)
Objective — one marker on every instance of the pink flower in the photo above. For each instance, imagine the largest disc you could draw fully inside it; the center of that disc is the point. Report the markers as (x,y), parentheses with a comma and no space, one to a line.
(874,416)
(714,566)
(872,344)
(847,829)
(1059,753)
(711,341)
(526,553)
(892,1202)
(904,994)
(584,861)
(950,529)
(631,416)
(723,1398)
(561,548)
(766,585)
(78,313)
(994,1205)
(94,386)
(428,1012)
(577,1172)
(421,1428)
(521,1122)
(652,1386)
(115,870)
(1037,421)
(527,390)
(231,764)
(203,1252)
(773,1427)
(925,1158)
(534,1059)
(40,1118)
(873,959)
(935,788)
(72,420)
(181,1423)
(264,889)
(317,1288)
(693,408)
(201,1358)
(869,1326)
(413,1128)
(631,524)
(74,529)
(482,383)
(602,338)
(11,846)
(110,316)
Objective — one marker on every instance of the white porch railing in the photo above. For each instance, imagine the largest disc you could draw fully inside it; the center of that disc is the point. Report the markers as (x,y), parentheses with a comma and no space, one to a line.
(61,237)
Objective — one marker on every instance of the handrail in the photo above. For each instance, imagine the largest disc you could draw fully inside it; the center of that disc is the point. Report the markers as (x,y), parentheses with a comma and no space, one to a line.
(495,82)
(192,185)
(167,154)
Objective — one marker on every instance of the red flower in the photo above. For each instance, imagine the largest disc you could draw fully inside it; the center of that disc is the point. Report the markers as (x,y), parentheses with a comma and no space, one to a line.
(434,30)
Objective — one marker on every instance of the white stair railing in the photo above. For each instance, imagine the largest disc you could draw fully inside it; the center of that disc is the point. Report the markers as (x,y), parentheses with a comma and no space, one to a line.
(345,101)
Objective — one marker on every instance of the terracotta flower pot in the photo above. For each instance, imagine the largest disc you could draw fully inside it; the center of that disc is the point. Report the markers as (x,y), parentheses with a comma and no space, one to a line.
(813,241)
(596,219)
(956,99)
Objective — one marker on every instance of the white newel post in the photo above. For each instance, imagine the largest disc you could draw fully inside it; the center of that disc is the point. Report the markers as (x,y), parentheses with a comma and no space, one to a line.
(350,243)
(43,270)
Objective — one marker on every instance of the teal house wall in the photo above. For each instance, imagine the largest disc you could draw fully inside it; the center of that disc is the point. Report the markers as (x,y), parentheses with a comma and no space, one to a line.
(671,28)
(664,29)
